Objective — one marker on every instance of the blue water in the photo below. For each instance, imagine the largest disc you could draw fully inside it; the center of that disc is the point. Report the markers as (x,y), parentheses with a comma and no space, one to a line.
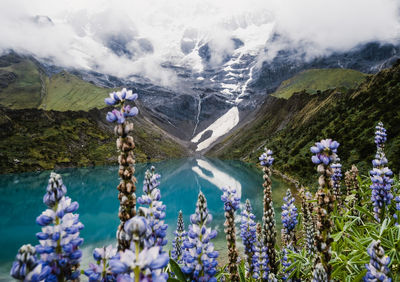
(95,190)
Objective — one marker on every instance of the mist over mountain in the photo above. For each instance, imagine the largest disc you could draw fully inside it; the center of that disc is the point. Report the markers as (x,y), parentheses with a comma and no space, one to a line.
(201,68)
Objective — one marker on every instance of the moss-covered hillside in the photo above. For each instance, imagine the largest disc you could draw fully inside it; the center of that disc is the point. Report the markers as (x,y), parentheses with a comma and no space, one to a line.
(24,85)
(34,139)
(290,127)
(315,80)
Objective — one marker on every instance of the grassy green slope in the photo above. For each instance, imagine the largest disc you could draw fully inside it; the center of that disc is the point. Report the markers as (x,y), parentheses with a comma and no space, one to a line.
(25,90)
(24,86)
(34,139)
(290,127)
(68,92)
(319,79)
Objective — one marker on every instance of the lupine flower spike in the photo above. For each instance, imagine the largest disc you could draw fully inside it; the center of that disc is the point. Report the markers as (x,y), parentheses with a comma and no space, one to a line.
(319,274)
(155,212)
(378,265)
(308,221)
(177,243)
(396,216)
(353,196)
(139,263)
(199,256)
(126,159)
(27,266)
(231,204)
(269,231)
(261,268)
(324,154)
(59,238)
(101,271)
(336,178)
(289,221)
(249,238)
(285,265)
(380,176)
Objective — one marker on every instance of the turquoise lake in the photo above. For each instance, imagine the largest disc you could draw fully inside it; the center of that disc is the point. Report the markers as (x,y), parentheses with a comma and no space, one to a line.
(95,190)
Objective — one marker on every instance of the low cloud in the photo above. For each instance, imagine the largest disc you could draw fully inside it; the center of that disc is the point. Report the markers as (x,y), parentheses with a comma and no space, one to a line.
(125,38)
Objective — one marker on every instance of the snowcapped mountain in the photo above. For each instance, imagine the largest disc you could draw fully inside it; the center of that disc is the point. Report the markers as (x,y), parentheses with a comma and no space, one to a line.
(197,82)
(208,98)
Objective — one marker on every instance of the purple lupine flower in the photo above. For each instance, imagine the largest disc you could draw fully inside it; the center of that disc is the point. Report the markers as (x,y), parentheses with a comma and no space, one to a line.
(139,259)
(59,239)
(260,259)
(336,178)
(289,220)
(377,269)
(115,116)
(319,273)
(324,151)
(324,155)
(230,199)
(308,221)
(231,204)
(266,158)
(155,212)
(120,97)
(27,266)
(177,243)
(380,135)
(130,111)
(199,256)
(381,195)
(55,190)
(396,215)
(149,261)
(249,238)
(101,271)
(285,266)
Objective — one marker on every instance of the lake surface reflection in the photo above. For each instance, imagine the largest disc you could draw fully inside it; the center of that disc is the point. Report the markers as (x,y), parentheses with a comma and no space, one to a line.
(95,190)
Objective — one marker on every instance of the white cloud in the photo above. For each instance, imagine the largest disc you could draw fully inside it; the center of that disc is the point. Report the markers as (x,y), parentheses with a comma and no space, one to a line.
(82,29)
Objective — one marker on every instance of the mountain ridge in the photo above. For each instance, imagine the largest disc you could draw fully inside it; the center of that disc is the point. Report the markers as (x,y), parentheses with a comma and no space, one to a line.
(290,127)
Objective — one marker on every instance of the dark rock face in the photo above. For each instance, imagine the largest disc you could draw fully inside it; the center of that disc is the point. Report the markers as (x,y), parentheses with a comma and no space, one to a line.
(6,78)
(123,45)
(9,59)
(205,136)
(205,52)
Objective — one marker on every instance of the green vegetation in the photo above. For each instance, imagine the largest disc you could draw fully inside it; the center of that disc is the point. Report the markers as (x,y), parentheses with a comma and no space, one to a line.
(37,140)
(22,85)
(68,92)
(290,127)
(316,80)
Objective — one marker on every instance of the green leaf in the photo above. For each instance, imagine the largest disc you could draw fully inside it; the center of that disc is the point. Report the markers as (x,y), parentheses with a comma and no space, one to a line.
(241,272)
(177,270)
(384,225)
(172,280)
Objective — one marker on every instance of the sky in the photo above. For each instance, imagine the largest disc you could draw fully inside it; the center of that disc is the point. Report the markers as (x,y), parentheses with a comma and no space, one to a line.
(154,32)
